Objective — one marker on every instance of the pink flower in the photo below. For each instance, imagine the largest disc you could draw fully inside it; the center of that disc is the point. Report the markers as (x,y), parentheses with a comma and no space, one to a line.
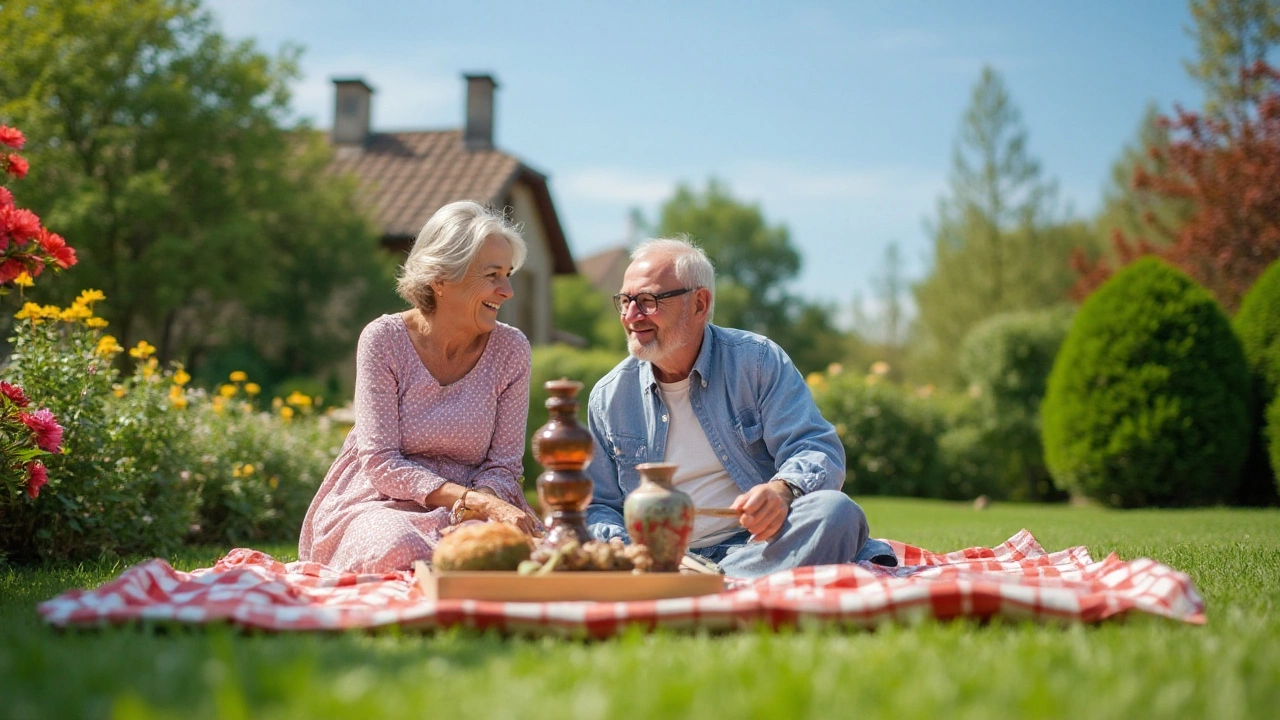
(46,428)
(11,137)
(6,198)
(15,394)
(37,479)
(20,223)
(17,166)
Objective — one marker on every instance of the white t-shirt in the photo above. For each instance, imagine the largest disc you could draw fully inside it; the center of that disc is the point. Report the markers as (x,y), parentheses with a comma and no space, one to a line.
(700,473)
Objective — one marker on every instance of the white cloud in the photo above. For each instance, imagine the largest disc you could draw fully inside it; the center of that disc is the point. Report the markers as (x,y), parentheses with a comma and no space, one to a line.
(614,185)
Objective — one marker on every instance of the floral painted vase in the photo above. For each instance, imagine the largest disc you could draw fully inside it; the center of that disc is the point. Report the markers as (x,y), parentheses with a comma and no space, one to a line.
(659,516)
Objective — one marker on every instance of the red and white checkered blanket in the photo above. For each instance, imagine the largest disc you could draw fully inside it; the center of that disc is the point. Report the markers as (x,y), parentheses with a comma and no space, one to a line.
(1016,579)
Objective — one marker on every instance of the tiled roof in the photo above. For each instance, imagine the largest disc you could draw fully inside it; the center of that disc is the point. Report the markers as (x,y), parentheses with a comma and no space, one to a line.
(407,176)
(604,270)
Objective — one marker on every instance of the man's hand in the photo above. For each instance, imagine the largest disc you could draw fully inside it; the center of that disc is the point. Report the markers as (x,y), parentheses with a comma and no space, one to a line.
(763,509)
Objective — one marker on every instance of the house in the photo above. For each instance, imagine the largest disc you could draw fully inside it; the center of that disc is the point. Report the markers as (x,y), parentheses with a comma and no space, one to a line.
(404,177)
(604,269)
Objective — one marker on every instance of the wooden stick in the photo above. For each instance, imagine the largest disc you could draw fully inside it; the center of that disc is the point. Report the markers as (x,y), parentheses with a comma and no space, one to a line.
(717,512)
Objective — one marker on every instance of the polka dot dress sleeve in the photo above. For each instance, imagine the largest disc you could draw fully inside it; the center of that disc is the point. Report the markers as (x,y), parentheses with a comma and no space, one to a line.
(503,462)
(377,407)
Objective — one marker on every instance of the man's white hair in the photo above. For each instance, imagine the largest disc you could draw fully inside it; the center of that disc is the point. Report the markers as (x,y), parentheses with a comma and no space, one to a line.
(692,266)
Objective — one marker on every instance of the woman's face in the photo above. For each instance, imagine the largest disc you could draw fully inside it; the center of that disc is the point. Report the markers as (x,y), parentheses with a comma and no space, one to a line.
(483,289)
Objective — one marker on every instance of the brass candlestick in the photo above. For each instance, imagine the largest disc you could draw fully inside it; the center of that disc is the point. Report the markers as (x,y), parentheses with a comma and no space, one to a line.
(563,446)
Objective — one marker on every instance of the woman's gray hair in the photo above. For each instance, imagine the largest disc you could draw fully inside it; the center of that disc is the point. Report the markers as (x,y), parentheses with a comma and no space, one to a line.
(446,246)
(693,267)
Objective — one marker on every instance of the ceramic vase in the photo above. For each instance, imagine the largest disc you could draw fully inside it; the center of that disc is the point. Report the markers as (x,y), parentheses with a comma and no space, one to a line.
(659,516)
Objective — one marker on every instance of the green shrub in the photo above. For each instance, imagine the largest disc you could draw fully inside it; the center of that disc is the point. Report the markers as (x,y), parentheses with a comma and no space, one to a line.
(552,363)
(257,472)
(1148,400)
(1258,326)
(1272,432)
(1006,360)
(116,488)
(889,436)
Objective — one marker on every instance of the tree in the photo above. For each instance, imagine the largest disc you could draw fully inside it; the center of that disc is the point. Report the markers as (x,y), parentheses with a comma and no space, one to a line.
(588,313)
(998,245)
(1232,36)
(205,219)
(1227,170)
(1132,211)
(754,261)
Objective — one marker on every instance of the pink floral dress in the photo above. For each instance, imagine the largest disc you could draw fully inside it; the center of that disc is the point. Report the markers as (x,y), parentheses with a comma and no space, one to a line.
(412,435)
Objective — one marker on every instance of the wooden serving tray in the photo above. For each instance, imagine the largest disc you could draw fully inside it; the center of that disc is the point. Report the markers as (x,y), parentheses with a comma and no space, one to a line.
(562,586)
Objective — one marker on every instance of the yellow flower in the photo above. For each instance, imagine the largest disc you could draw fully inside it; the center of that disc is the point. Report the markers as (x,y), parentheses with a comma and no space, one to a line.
(96,323)
(74,313)
(274,482)
(89,297)
(149,369)
(815,380)
(880,367)
(248,469)
(143,349)
(835,368)
(118,390)
(107,345)
(276,403)
(177,397)
(297,399)
(181,377)
(239,376)
(227,391)
(286,413)
(236,470)
(30,311)
(23,280)
(219,404)
(252,388)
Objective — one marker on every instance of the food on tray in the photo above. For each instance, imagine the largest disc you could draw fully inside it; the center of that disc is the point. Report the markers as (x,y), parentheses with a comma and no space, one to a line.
(591,555)
(482,546)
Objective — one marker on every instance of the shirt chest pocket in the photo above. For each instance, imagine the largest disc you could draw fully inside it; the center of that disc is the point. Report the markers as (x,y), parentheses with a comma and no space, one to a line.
(750,433)
(627,451)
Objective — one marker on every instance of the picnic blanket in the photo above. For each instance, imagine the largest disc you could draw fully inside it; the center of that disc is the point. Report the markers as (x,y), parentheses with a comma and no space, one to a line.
(1017,579)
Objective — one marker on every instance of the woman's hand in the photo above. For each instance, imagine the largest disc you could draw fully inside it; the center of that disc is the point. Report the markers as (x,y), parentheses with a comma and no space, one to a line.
(491,507)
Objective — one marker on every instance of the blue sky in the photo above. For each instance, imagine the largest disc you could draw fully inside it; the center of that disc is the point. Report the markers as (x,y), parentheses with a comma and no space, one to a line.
(838,118)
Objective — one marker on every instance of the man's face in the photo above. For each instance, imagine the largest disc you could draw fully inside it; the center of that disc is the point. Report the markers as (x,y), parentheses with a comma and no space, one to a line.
(660,337)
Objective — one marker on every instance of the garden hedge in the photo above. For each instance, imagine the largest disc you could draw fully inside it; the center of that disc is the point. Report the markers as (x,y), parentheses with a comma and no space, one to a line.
(1258,325)
(1148,401)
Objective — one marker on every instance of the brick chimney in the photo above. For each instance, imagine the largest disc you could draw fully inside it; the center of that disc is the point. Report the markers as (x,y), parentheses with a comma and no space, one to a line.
(478,132)
(351,111)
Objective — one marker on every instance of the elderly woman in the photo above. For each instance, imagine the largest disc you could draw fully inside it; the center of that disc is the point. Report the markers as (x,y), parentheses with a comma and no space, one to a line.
(441,400)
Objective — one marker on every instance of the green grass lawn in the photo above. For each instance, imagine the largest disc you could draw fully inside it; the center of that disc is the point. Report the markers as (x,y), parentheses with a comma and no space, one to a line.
(1139,668)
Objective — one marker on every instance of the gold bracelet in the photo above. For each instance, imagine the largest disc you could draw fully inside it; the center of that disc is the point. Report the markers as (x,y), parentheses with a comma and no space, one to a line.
(459,507)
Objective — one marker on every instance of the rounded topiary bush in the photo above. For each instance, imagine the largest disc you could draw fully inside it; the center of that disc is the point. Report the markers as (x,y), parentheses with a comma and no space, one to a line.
(1258,326)
(1272,433)
(1148,400)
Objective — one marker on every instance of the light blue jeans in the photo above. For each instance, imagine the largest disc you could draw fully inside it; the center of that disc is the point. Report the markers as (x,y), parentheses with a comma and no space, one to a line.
(824,527)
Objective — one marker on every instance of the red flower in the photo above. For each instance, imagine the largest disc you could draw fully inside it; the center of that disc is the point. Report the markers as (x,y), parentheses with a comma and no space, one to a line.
(21,223)
(62,253)
(6,198)
(11,137)
(46,428)
(11,269)
(37,479)
(17,166)
(15,394)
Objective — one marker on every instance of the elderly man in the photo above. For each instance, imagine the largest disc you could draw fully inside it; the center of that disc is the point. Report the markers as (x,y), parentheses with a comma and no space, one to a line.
(729,408)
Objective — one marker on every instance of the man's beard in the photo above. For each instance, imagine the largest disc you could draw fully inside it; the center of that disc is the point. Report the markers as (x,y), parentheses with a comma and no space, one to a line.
(662,346)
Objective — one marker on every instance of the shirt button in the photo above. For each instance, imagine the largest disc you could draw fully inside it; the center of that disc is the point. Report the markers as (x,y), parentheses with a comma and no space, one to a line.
(704,383)
(724,457)
(664,418)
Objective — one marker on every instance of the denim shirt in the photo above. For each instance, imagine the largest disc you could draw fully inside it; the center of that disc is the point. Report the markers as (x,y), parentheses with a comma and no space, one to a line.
(749,399)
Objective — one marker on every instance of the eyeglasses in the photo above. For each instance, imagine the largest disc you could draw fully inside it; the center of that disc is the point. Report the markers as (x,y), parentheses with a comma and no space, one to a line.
(647,303)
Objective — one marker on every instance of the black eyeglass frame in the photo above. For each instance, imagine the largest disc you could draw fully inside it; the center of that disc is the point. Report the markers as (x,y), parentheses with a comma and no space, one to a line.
(622,301)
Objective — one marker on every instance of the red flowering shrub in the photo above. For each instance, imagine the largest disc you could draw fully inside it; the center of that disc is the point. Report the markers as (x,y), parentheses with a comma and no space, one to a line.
(26,248)
(25,438)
